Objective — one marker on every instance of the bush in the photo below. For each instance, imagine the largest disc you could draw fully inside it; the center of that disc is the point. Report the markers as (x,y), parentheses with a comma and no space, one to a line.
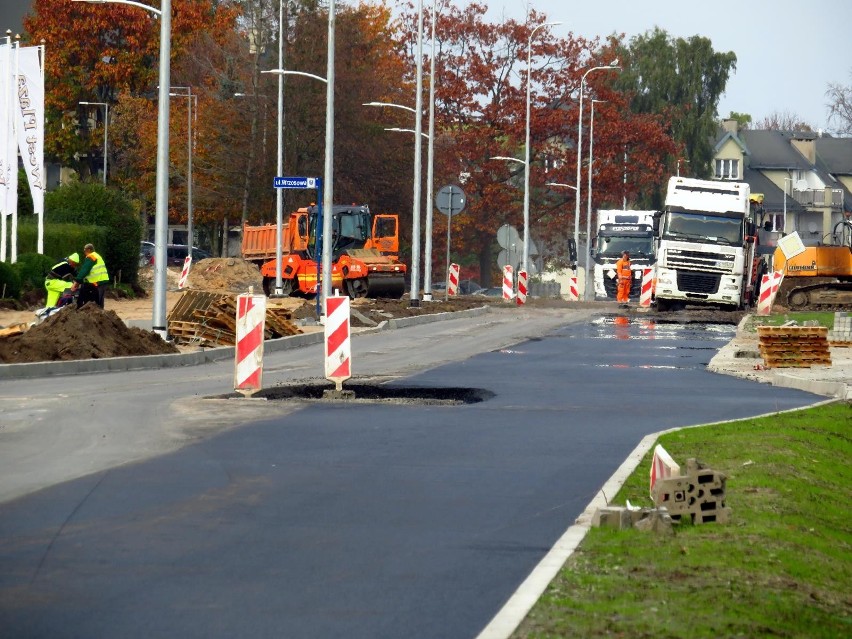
(120,228)
(60,239)
(10,281)
(32,268)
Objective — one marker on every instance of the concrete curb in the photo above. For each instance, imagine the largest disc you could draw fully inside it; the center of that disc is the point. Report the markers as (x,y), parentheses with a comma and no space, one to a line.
(174,360)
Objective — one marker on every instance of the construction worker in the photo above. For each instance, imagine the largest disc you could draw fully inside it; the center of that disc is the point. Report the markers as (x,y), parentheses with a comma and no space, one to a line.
(623,274)
(92,278)
(60,278)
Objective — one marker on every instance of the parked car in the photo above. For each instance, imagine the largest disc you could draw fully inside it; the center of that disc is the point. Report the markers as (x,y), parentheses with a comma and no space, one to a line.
(175,254)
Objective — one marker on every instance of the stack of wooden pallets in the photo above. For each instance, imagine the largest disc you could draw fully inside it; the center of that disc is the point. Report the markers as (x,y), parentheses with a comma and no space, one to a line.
(209,318)
(794,346)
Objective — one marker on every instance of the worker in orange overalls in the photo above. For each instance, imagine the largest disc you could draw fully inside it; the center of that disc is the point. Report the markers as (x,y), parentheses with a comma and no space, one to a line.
(623,274)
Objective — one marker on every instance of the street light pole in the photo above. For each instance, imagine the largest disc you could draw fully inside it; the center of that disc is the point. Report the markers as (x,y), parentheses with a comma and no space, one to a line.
(430,164)
(414,297)
(190,97)
(105,105)
(526,253)
(580,148)
(589,205)
(161,216)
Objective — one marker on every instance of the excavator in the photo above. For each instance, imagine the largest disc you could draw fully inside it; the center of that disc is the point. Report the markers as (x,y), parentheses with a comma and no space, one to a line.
(821,276)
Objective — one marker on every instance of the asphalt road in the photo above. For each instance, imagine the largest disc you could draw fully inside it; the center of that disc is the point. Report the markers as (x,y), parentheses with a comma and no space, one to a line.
(352,520)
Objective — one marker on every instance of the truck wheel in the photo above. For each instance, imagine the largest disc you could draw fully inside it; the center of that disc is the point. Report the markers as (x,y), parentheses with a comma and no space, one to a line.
(269,286)
(356,288)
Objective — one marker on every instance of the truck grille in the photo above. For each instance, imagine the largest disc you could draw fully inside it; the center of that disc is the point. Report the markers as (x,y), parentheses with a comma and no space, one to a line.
(714,262)
(693,282)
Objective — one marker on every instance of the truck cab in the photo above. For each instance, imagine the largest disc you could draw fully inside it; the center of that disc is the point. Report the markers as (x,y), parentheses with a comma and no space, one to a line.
(619,231)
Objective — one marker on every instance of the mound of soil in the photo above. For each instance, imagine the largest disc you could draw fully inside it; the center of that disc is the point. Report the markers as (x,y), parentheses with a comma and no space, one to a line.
(85,333)
(225,274)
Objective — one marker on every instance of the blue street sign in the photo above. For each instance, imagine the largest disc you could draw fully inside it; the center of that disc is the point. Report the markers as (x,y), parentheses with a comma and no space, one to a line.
(294,182)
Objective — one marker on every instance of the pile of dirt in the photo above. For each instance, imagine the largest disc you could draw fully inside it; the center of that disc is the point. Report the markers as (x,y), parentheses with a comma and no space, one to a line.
(225,274)
(85,333)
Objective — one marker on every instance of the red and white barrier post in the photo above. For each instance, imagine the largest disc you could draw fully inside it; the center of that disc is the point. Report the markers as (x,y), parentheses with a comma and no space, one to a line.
(453,280)
(573,289)
(647,287)
(777,278)
(187,262)
(764,300)
(338,351)
(522,288)
(508,283)
(662,467)
(248,354)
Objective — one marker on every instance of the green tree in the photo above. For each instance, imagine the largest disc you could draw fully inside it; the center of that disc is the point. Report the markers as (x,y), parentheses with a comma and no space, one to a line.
(744,120)
(682,78)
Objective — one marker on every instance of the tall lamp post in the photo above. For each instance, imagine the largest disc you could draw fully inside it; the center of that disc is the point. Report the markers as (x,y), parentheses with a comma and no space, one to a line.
(105,105)
(190,98)
(589,189)
(614,65)
(161,217)
(526,259)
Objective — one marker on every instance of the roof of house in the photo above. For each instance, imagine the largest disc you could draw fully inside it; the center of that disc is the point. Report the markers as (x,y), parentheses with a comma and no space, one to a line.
(772,150)
(834,155)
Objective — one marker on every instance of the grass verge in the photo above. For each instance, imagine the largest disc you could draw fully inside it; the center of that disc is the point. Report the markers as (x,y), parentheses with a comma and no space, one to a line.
(781,568)
(823,318)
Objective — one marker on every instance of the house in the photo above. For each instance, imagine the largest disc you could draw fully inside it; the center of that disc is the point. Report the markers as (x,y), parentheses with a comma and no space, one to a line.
(805,177)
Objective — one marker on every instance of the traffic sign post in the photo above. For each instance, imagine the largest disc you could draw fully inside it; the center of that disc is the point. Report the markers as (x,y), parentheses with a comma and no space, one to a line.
(298,182)
(450,201)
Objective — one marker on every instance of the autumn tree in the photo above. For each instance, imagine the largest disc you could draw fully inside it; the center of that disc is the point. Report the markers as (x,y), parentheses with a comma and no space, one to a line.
(683,79)
(840,107)
(782,121)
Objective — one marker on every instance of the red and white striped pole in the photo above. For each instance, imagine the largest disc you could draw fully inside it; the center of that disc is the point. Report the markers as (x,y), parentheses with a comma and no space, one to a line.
(338,350)
(248,354)
(453,280)
(522,288)
(508,283)
(777,277)
(184,274)
(647,287)
(573,289)
(764,300)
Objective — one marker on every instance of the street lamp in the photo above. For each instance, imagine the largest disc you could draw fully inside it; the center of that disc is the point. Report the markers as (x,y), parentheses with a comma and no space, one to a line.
(679,160)
(613,65)
(589,205)
(279,201)
(190,98)
(161,217)
(526,259)
(105,105)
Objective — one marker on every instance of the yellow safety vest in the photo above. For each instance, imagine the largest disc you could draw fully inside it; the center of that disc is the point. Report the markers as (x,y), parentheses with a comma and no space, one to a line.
(99,270)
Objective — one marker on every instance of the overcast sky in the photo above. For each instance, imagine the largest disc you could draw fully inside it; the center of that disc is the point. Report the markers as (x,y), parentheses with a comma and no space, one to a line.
(788,51)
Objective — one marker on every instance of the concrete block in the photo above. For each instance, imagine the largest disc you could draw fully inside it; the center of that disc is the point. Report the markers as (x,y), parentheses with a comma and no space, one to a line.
(616,517)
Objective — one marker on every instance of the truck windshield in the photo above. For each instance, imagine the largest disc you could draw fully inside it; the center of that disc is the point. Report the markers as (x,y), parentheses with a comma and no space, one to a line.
(614,245)
(702,227)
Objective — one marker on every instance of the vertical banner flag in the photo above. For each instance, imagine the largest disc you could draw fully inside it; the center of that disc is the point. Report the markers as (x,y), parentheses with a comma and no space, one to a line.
(30,122)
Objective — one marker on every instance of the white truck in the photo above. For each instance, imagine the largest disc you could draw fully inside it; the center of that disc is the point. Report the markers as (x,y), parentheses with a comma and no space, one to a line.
(619,231)
(705,245)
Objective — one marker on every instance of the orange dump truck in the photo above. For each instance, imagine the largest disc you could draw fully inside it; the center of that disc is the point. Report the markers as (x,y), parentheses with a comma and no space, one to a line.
(365,251)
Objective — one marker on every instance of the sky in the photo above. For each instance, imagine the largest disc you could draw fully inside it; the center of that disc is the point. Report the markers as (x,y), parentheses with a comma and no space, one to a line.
(788,51)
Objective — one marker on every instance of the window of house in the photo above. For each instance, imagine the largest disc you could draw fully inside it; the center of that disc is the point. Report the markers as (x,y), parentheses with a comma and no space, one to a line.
(778,223)
(727,169)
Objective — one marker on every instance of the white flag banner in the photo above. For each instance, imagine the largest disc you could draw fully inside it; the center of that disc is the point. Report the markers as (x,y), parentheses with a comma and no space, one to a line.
(8,147)
(30,122)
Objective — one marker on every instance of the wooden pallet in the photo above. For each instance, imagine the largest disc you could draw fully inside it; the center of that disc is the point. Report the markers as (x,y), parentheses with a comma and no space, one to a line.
(209,318)
(794,346)
(14,329)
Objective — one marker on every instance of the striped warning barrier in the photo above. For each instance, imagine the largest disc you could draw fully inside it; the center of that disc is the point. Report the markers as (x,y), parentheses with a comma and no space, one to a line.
(764,300)
(248,354)
(522,288)
(647,287)
(508,283)
(185,272)
(662,467)
(338,351)
(777,277)
(453,280)
(573,289)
